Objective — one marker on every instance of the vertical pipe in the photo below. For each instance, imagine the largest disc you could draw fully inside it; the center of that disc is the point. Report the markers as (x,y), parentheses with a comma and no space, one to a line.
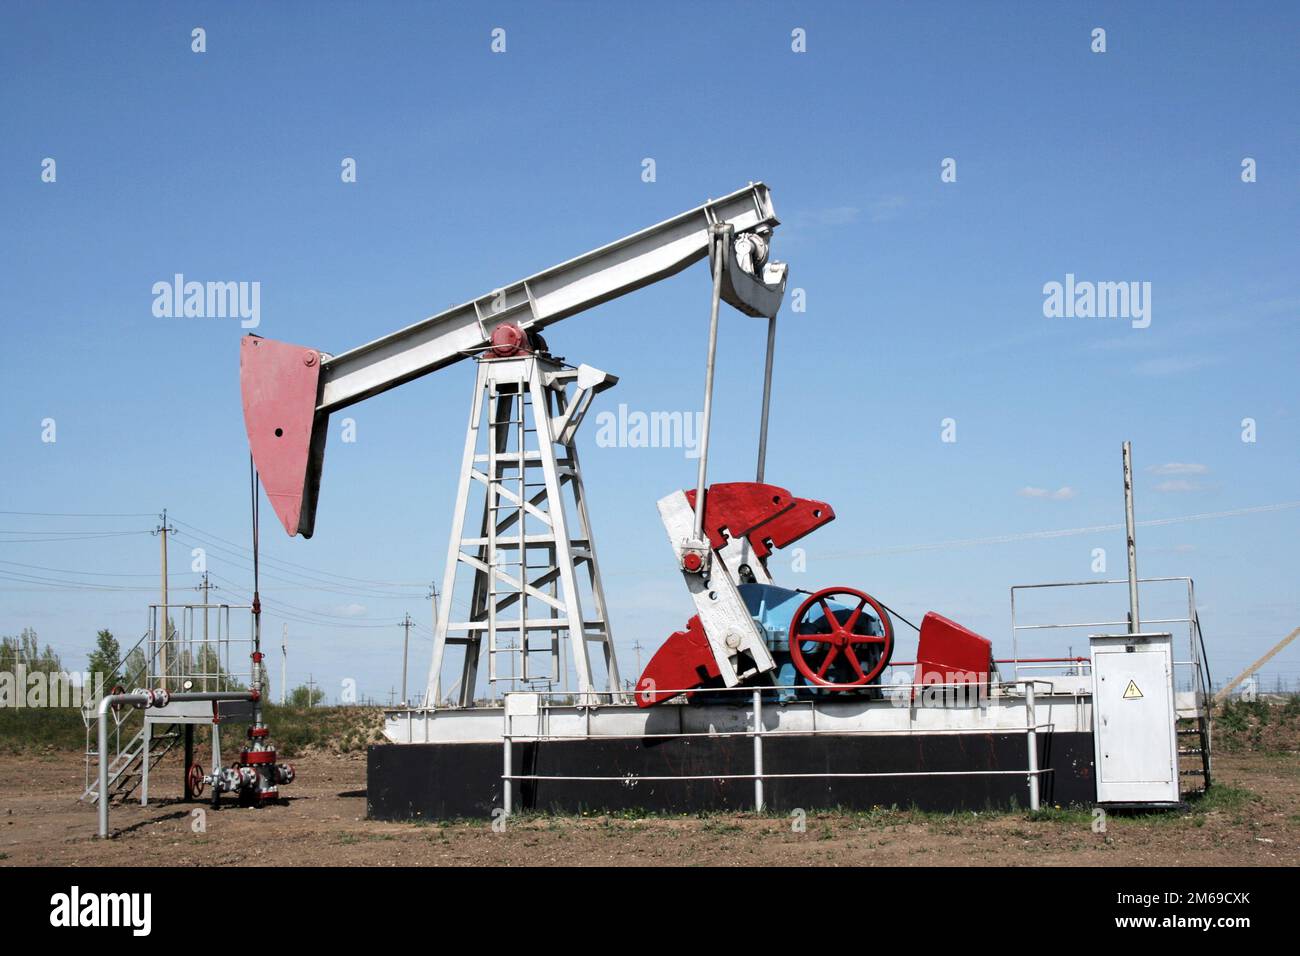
(1032,734)
(767,398)
(718,235)
(758,751)
(1134,624)
(189,759)
(103,766)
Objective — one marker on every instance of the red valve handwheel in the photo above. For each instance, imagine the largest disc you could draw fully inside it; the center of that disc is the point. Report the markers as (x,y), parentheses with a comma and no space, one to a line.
(838,640)
(195,778)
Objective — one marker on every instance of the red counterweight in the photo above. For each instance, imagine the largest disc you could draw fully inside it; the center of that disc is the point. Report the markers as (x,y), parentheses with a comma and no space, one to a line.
(279,383)
(683,661)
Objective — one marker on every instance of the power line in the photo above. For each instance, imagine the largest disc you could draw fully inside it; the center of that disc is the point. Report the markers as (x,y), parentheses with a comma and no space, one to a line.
(1059,533)
(302,567)
(61,539)
(104,574)
(297,577)
(79,514)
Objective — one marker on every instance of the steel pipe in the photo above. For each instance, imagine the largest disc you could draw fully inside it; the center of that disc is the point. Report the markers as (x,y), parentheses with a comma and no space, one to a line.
(767,398)
(720,235)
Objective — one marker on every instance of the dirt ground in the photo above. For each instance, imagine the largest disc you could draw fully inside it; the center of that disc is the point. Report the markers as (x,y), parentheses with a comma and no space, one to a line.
(1253,821)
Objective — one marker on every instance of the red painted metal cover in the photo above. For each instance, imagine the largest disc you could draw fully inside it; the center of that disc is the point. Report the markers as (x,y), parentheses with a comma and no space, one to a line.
(684,661)
(279,383)
(768,515)
(948,653)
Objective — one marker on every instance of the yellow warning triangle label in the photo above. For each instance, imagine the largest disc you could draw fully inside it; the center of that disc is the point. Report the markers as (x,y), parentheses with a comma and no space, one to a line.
(1131,692)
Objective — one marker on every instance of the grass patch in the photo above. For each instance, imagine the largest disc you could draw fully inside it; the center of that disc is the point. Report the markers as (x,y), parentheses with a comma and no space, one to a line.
(342,729)
(28,729)
(293,729)
(1220,797)
(1075,816)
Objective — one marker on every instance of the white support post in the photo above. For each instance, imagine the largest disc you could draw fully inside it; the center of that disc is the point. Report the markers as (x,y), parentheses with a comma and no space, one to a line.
(758,751)
(507,790)
(1032,734)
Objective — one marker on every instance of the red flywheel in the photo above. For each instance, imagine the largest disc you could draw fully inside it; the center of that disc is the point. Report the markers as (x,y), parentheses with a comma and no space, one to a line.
(840,637)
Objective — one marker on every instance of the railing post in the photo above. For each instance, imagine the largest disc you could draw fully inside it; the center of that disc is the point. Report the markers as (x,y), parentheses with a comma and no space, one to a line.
(758,751)
(507,767)
(1032,735)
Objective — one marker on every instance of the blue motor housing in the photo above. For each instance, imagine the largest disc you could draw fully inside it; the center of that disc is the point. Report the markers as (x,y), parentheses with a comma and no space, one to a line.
(773,608)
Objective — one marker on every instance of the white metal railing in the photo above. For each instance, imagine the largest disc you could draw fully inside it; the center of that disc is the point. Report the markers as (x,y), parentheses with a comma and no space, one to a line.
(1194,665)
(198,649)
(1032,772)
(1195,662)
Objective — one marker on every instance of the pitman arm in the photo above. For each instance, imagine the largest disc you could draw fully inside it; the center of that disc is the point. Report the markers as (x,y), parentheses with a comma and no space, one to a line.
(289,391)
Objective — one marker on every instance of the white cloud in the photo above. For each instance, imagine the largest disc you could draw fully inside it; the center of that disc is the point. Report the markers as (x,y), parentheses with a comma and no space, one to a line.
(838,216)
(1173,365)
(1177,486)
(1178,468)
(887,208)
(1060,494)
(351,610)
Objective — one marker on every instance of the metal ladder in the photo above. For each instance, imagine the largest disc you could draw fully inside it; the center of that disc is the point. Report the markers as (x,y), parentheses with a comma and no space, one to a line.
(1199,736)
(1199,749)
(126,769)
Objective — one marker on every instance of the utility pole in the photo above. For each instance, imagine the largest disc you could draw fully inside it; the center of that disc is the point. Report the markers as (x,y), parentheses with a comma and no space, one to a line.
(1134,624)
(284,665)
(162,531)
(207,658)
(636,646)
(437,678)
(311,691)
(406,645)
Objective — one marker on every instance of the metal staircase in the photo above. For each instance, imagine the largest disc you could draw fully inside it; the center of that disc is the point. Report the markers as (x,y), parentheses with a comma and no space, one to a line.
(125,770)
(1194,732)
(192,662)
(1194,755)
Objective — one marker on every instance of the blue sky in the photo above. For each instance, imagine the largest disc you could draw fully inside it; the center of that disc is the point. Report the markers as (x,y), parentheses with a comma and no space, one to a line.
(924,298)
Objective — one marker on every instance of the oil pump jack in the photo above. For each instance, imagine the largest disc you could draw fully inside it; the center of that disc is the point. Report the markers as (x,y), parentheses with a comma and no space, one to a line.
(531,551)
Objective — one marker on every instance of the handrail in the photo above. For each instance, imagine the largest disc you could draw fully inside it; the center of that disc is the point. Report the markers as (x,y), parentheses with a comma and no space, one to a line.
(757,731)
